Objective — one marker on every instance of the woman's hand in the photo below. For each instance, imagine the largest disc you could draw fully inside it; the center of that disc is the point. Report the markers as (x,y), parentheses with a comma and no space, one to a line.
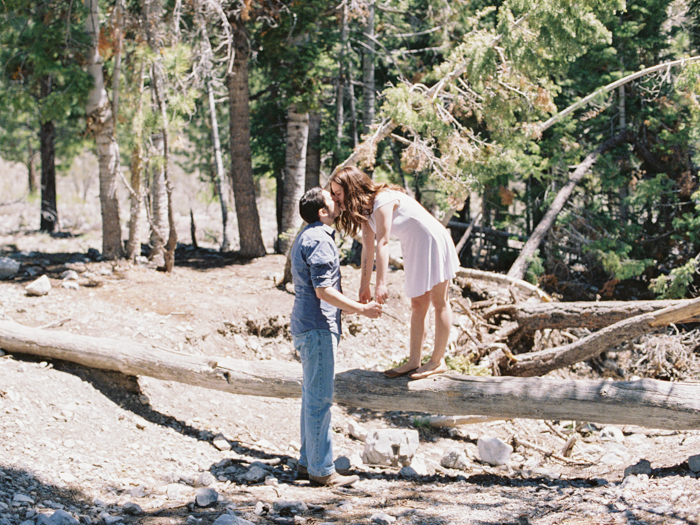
(382,293)
(365,294)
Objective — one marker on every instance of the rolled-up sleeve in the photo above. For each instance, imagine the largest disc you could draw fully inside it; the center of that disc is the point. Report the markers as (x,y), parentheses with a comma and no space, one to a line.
(322,265)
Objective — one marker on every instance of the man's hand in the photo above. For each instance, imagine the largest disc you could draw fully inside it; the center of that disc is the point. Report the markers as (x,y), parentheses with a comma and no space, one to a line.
(372,310)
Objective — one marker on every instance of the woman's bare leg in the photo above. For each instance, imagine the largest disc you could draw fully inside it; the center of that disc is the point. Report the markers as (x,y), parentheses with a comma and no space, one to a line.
(443,325)
(420,307)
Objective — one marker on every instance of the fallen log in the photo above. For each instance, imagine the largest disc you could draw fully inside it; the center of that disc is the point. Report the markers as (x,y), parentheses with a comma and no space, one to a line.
(539,363)
(560,316)
(503,280)
(647,402)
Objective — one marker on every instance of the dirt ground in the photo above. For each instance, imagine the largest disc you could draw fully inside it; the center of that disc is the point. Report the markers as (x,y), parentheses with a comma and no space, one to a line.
(106,449)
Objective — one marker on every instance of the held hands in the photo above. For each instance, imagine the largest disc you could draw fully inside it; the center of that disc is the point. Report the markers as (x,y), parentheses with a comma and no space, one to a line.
(372,310)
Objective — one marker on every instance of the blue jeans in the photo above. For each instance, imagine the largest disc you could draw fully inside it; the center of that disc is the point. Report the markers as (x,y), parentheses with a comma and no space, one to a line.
(317,351)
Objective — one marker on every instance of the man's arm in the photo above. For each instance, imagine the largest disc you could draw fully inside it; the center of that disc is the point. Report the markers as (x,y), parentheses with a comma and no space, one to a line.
(337,299)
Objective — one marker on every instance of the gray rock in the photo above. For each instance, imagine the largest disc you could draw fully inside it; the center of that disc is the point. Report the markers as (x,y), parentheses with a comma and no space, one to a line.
(292,507)
(694,463)
(493,451)
(416,469)
(641,467)
(390,447)
(230,519)
(21,499)
(8,267)
(61,517)
(132,508)
(342,464)
(206,497)
(41,286)
(255,474)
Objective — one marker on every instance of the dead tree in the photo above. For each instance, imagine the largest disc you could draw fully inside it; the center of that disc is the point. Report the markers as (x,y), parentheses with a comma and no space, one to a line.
(648,402)
(538,363)
(560,316)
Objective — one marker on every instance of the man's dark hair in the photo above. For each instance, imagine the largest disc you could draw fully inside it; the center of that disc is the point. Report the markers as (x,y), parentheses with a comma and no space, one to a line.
(310,204)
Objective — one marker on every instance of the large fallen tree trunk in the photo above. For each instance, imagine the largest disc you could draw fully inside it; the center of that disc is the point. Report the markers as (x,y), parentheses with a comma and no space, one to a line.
(560,316)
(649,403)
(539,363)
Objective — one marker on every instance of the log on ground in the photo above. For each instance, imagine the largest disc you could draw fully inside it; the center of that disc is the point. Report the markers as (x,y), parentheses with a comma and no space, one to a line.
(539,363)
(592,315)
(649,403)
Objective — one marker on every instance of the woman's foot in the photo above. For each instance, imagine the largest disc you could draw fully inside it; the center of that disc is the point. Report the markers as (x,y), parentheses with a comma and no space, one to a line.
(429,369)
(400,371)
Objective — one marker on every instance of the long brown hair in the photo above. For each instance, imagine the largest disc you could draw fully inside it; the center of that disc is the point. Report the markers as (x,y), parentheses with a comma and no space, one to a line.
(360,192)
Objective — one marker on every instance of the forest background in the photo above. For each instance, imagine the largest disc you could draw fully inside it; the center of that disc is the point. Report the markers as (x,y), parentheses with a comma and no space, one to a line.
(485,111)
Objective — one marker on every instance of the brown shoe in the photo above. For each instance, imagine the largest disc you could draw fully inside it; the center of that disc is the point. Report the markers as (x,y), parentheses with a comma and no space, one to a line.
(334,480)
(302,472)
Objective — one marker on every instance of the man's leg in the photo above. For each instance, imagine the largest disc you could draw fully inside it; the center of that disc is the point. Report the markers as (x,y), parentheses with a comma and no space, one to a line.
(317,351)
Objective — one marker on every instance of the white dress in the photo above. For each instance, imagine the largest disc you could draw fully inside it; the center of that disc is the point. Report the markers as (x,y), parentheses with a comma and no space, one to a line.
(429,255)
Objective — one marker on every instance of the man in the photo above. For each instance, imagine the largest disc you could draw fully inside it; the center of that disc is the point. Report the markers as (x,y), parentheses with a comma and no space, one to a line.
(315,327)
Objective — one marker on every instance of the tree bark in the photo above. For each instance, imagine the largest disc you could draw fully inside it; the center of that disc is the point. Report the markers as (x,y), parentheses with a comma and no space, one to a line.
(368,90)
(294,177)
(133,245)
(100,122)
(242,181)
(313,152)
(519,267)
(49,210)
(219,176)
(649,403)
(503,280)
(560,316)
(539,363)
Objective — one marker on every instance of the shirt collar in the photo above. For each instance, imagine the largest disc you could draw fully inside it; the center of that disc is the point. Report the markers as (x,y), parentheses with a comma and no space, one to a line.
(328,229)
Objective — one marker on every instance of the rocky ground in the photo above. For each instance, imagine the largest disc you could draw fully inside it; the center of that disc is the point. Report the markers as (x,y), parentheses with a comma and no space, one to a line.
(80,445)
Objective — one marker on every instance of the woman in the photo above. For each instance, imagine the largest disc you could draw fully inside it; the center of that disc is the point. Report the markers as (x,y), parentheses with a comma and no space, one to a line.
(430,258)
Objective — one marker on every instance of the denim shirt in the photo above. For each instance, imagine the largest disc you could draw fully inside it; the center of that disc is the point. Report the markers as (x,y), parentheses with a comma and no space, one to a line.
(315,264)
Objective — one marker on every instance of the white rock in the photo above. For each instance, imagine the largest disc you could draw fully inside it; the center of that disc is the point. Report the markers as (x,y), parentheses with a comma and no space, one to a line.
(41,286)
(382,518)
(390,447)
(356,430)
(69,275)
(493,451)
(612,434)
(454,458)
(416,468)
(70,285)
(221,442)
